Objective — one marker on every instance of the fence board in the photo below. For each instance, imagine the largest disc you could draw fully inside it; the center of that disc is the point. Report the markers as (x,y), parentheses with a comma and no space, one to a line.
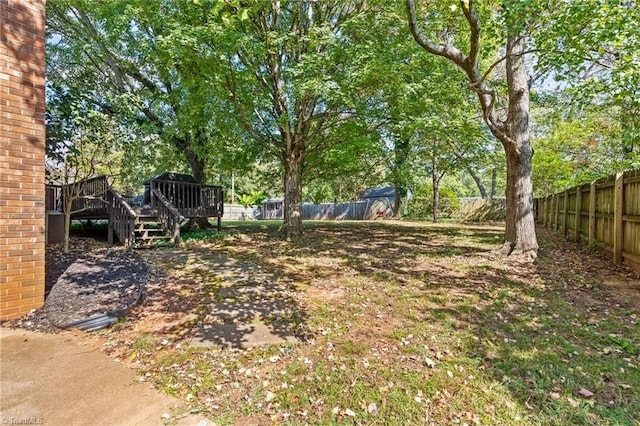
(606,212)
(577,214)
(360,210)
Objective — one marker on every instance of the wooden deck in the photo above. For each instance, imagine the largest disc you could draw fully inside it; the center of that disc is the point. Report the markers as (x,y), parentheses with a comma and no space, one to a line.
(171,203)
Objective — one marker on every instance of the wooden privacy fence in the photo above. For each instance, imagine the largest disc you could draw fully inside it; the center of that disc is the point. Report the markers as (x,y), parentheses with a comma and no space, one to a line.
(606,211)
(482,209)
(358,210)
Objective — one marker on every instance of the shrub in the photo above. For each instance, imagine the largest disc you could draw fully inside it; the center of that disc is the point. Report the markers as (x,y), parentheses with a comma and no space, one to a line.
(421,206)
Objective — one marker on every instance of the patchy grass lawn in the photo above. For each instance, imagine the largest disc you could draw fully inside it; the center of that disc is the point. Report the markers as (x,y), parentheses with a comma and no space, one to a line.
(398,323)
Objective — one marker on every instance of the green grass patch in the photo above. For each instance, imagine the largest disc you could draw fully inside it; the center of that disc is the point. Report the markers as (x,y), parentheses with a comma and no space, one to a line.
(409,323)
(204,235)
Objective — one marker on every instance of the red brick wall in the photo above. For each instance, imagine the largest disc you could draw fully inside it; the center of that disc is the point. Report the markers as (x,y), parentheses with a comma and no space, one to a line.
(22,133)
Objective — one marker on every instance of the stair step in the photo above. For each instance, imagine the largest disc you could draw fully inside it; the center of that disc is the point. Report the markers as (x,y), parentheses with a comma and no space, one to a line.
(156,237)
(141,229)
(145,212)
(148,221)
(153,245)
(146,226)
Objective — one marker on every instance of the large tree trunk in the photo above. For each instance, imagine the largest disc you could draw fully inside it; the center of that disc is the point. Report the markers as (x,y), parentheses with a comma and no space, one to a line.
(197,166)
(396,201)
(293,162)
(520,235)
(436,191)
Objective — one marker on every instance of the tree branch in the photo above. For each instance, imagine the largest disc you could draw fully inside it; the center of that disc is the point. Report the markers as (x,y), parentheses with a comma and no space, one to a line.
(474,37)
(445,50)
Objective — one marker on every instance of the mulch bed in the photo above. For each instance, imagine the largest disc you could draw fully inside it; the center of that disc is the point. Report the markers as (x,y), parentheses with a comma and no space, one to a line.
(92,278)
(103,281)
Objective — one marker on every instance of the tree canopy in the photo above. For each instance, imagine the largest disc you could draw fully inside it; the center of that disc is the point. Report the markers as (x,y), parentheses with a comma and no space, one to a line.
(320,100)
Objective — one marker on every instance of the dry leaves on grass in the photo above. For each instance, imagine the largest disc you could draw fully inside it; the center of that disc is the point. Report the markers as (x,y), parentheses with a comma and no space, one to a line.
(407,321)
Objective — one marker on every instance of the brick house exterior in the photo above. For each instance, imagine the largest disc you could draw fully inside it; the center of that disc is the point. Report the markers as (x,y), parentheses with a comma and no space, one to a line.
(22,151)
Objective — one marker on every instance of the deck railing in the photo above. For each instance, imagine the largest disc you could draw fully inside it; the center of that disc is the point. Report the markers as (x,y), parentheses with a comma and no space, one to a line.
(94,198)
(89,197)
(168,215)
(190,199)
(53,198)
(122,219)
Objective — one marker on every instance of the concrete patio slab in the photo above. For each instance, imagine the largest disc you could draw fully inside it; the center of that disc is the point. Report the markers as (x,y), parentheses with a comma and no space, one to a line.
(241,336)
(49,379)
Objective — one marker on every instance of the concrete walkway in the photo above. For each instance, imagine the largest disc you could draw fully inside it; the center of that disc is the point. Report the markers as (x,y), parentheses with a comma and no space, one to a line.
(49,379)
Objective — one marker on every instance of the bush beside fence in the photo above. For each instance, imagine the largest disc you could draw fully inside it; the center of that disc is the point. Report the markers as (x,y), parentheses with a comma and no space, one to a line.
(605,212)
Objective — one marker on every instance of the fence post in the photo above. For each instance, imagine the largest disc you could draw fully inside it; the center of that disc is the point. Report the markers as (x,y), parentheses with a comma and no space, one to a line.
(565,216)
(556,221)
(578,210)
(592,214)
(152,197)
(617,219)
(547,213)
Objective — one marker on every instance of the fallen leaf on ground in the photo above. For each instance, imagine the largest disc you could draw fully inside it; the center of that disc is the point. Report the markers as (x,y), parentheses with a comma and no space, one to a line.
(585,393)
(490,356)
(573,403)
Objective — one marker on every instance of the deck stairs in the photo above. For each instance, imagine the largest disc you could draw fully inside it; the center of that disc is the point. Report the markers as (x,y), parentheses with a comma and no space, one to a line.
(150,232)
(170,203)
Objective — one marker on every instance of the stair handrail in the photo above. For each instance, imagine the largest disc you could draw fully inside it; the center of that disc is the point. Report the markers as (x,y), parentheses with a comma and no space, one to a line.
(170,216)
(122,219)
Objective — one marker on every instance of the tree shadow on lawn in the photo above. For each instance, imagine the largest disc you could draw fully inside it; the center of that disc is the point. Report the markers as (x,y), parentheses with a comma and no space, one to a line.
(187,282)
(376,248)
(551,335)
(545,331)
(217,299)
